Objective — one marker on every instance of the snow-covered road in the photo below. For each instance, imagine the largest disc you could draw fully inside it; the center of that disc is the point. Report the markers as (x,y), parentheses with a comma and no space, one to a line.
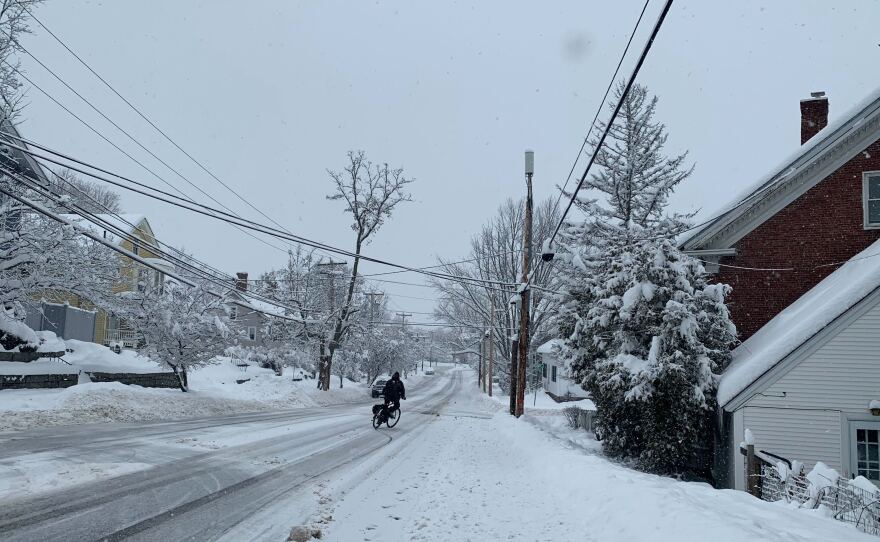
(195,479)
(455,468)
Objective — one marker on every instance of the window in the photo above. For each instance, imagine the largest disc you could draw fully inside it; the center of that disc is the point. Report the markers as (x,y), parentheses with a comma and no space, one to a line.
(252,333)
(142,279)
(135,248)
(544,370)
(233,312)
(871,198)
(868,453)
(553,373)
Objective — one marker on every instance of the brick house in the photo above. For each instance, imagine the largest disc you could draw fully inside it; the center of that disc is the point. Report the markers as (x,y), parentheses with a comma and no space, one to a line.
(798,249)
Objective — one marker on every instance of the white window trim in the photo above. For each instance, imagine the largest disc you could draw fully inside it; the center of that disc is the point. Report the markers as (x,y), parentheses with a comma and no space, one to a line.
(848,435)
(867,225)
(252,336)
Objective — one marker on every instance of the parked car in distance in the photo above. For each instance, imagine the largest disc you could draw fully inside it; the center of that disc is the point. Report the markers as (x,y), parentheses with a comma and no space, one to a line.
(378,386)
(429,371)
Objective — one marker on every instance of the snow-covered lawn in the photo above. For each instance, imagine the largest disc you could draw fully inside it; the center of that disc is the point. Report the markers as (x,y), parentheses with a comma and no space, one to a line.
(85,356)
(486,476)
(213,391)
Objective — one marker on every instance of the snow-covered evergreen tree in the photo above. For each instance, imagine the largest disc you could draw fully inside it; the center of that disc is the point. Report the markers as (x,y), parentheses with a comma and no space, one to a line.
(646,333)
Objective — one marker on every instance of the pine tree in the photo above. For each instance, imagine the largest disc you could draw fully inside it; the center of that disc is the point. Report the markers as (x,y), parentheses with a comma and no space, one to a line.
(647,335)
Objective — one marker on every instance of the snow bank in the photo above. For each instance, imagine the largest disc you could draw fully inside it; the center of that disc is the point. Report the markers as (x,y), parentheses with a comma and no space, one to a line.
(801,320)
(213,392)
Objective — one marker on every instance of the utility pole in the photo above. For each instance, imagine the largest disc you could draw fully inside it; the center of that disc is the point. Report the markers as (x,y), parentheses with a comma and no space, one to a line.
(525,297)
(480,371)
(514,355)
(373,304)
(491,344)
(403,317)
(324,372)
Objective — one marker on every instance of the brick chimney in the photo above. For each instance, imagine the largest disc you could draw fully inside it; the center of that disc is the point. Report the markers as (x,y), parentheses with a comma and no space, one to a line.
(814,115)
(241,281)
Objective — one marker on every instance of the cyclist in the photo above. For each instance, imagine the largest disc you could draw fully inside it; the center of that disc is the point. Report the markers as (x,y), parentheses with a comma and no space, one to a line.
(393,393)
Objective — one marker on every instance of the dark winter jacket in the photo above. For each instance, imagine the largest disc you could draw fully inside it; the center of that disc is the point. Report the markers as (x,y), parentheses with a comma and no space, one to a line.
(394,390)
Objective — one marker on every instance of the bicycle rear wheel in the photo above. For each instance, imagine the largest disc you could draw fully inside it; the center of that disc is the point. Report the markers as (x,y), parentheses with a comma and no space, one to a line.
(393,417)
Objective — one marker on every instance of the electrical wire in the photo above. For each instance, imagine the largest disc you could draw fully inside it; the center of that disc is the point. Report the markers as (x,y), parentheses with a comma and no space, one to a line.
(601,104)
(145,118)
(123,151)
(122,234)
(616,111)
(217,214)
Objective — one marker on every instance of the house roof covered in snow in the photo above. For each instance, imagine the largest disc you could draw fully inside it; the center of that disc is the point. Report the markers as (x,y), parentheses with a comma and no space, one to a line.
(801,321)
(549,346)
(248,301)
(130,224)
(812,162)
(18,160)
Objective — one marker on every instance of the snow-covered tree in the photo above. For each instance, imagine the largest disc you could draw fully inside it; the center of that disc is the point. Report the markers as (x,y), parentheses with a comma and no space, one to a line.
(43,258)
(646,333)
(496,254)
(371,192)
(87,195)
(14,15)
(184,327)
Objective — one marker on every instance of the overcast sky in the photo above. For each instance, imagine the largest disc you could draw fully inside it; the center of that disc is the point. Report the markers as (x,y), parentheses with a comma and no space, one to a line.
(269,94)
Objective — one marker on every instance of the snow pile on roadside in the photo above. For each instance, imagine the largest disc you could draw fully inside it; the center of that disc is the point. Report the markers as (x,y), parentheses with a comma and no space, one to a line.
(213,392)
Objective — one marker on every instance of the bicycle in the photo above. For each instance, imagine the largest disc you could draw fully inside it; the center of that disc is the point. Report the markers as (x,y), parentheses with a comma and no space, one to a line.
(381,414)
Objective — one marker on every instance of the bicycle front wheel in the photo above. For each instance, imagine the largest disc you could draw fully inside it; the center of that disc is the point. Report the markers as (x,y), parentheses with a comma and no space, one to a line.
(394,417)
(377,421)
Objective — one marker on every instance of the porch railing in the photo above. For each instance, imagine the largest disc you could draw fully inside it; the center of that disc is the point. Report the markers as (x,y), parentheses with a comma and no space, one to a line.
(126,337)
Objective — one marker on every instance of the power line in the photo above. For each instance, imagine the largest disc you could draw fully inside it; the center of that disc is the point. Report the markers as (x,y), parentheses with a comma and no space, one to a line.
(124,152)
(114,229)
(217,214)
(143,116)
(601,103)
(617,108)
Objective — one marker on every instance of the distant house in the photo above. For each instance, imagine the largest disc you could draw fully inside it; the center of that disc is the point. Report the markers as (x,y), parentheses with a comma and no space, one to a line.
(800,249)
(467,357)
(554,375)
(248,314)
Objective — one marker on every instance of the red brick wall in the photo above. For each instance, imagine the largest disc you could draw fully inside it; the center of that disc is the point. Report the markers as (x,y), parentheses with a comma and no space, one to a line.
(825,225)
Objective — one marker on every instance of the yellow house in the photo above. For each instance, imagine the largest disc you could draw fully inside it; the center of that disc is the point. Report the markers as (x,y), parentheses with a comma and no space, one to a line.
(110,330)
